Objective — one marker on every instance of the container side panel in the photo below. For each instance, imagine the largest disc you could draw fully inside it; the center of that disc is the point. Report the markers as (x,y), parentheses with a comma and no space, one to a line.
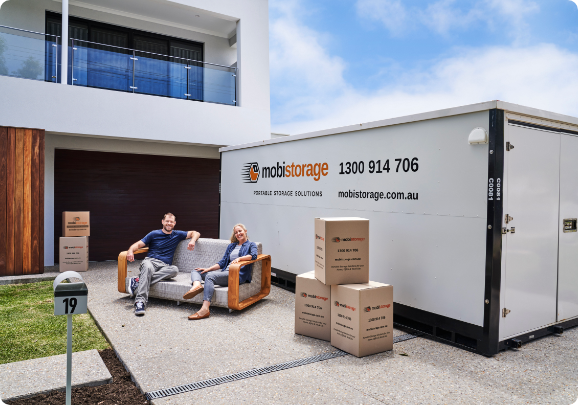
(430,246)
(568,254)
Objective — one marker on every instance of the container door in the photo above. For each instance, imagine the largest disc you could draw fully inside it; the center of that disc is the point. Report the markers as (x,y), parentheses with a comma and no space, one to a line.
(568,237)
(532,201)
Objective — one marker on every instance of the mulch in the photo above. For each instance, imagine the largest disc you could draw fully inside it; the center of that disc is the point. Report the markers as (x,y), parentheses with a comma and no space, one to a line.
(122,390)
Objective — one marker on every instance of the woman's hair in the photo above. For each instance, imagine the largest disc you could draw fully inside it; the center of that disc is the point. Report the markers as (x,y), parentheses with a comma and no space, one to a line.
(233,237)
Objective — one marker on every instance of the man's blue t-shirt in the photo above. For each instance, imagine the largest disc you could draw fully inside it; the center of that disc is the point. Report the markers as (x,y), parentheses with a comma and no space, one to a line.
(162,246)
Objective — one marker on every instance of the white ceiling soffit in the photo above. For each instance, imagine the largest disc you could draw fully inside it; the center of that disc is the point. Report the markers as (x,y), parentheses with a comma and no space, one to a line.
(164,13)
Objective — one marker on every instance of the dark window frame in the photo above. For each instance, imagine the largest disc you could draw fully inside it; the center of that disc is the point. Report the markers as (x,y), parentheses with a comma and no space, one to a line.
(131,32)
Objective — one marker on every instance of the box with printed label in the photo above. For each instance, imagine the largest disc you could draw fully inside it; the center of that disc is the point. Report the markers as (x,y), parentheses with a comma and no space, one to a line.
(74,253)
(362,318)
(76,223)
(342,250)
(312,307)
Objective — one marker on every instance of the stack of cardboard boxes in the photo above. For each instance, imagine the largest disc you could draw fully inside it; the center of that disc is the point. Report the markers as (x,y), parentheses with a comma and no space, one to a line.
(337,302)
(74,242)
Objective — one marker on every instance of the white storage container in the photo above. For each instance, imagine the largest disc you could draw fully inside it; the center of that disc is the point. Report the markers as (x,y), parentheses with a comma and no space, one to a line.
(472,212)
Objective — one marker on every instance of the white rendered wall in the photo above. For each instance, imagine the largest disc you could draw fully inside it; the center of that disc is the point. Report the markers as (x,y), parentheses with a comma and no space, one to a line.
(108,113)
(89,111)
(54,141)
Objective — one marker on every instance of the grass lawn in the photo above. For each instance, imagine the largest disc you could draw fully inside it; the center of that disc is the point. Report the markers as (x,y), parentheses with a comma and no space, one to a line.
(29,330)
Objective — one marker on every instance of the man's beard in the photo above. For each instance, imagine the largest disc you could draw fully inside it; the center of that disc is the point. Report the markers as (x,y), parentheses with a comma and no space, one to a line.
(168,230)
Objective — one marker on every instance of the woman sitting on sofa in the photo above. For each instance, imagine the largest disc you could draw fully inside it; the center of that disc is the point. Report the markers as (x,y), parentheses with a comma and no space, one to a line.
(240,249)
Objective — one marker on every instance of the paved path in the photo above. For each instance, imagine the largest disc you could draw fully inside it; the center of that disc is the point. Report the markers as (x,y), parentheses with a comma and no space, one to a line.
(38,376)
(163,349)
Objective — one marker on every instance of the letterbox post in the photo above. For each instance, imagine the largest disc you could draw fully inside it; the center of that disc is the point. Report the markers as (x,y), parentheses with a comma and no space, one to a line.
(69,299)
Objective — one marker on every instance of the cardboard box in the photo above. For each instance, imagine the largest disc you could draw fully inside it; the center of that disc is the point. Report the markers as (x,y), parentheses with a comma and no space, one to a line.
(312,307)
(342,250)
(76,223)
(74,253)
(362,318)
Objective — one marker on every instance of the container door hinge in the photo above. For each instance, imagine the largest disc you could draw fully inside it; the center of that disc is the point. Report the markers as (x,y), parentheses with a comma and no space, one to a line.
(509,146)
(505,312)
(508,218)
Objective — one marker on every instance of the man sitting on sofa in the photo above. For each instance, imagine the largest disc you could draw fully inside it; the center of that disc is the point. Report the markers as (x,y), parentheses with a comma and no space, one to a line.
(157,265)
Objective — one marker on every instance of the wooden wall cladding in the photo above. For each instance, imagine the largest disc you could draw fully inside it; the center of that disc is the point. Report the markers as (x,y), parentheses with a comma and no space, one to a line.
(21,201)
(127,195)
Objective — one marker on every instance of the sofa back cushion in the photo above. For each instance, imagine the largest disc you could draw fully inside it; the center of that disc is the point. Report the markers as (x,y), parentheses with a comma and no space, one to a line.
(207,252)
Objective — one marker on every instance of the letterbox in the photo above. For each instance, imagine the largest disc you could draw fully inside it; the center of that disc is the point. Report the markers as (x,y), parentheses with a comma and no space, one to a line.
(70,298)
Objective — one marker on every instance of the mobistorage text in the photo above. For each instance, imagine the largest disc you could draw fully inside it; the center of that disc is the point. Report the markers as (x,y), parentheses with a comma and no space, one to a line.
(378,195)
(315,170)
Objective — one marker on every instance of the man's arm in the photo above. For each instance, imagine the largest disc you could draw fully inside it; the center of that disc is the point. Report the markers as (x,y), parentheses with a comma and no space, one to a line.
(193,236)
(135,246)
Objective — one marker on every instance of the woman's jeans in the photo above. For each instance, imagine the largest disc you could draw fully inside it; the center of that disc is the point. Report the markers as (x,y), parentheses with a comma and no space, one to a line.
(211,278)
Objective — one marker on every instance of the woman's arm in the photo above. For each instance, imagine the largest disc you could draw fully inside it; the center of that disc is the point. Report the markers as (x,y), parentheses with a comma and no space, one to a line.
(251,256)
(242,259)
(212,268)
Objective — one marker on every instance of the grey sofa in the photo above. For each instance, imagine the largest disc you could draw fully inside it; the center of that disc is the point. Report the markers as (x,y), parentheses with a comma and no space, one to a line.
(207,252)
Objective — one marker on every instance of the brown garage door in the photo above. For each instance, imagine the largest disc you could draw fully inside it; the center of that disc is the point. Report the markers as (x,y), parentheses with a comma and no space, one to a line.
(128,194)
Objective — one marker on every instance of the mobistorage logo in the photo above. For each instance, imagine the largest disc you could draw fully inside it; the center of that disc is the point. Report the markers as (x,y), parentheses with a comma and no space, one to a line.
(318,297)
(368,309)
(338,304)
(251,171)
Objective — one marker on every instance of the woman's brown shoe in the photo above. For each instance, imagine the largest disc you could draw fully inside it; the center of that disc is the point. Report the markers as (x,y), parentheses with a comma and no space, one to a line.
(196,316)
(193,292)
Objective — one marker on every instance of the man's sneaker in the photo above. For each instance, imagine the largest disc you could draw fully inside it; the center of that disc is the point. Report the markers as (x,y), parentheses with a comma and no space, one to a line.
(132,286)
(139,308)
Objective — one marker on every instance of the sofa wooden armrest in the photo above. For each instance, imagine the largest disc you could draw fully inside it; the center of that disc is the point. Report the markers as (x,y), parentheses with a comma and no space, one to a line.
(122,268)
(233,293)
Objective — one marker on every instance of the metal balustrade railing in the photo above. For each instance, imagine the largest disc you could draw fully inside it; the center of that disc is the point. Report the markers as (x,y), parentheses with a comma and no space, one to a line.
(35,55)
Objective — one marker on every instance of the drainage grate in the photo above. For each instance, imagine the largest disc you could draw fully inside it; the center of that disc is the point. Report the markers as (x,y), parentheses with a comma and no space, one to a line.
(181,389)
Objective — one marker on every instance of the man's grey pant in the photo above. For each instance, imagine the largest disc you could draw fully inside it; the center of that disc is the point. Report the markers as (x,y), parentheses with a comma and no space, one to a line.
(211,278)
(152,271)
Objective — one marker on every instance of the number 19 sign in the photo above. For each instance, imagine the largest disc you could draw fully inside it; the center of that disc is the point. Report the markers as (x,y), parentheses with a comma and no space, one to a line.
(70,298)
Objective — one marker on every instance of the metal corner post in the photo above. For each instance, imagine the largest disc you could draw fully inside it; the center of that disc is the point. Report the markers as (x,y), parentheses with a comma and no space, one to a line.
(493,275)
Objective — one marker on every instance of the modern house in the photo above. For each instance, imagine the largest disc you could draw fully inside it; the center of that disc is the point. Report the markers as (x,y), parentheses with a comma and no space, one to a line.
(135,98)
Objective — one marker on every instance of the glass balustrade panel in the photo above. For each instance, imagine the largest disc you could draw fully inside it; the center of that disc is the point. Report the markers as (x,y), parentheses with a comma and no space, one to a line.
(29,55)
(161,75)
(108,67)
(101,66)
(219,85)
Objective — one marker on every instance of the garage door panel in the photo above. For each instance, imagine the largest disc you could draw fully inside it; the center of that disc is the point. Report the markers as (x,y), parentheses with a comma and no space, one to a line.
(128,194)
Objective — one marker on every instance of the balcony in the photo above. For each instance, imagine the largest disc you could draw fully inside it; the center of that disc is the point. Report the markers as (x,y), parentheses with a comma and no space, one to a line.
(35,55)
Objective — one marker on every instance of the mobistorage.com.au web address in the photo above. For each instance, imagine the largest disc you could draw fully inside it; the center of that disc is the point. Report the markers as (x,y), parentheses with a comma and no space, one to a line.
(378,195)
